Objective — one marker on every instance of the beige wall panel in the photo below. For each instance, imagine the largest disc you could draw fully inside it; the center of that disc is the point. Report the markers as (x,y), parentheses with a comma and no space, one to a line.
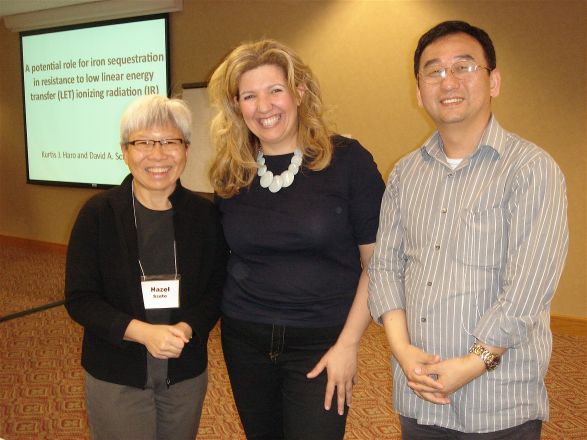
(362,53)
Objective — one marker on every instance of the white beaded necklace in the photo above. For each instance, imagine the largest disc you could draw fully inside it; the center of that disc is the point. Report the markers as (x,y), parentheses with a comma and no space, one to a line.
(285,179)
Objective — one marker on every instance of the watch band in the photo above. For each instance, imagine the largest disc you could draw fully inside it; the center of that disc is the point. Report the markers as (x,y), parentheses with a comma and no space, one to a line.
(491,360)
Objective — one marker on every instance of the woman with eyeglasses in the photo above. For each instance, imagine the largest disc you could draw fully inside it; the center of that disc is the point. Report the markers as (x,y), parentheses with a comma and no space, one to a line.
(300,210)
(145,267)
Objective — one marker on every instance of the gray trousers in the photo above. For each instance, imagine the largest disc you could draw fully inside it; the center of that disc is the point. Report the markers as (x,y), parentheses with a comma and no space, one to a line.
(158,412)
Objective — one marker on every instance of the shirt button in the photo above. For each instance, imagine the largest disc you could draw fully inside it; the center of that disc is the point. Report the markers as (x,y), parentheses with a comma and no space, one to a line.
(437,247)
(444,210)
(423,319)
(429,283)
(451,175)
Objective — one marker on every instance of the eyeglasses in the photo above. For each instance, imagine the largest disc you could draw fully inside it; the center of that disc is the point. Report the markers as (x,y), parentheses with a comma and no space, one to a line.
(148,145)
(461,70)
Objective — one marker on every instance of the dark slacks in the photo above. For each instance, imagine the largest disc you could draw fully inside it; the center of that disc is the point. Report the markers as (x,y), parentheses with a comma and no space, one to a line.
(411,430)
(267,366)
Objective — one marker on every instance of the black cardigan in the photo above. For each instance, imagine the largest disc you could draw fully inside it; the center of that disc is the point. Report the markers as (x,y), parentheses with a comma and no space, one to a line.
(103,290)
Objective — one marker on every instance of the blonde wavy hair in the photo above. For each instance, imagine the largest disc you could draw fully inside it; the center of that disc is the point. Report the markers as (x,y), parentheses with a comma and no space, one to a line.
(234,166)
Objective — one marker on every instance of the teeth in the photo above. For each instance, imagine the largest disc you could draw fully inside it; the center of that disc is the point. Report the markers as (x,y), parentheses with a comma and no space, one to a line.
(269,122)
(451,100)
(158,169)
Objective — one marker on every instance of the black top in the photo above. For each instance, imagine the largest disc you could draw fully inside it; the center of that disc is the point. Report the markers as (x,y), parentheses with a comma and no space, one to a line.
(294,254)
(155,238)
(103,284)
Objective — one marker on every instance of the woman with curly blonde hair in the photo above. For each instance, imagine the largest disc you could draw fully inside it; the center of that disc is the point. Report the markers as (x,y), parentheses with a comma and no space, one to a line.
(235,166)
(300,210)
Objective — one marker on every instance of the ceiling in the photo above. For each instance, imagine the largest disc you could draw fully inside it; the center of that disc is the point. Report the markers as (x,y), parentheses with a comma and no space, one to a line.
(12,7)
(28,15)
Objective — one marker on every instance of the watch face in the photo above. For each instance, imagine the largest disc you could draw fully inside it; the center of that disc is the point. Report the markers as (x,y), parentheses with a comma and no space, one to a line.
(477,349)
(491,360)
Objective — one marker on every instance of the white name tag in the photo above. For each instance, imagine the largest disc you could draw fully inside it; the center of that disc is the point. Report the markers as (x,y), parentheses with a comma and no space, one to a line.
(160,294)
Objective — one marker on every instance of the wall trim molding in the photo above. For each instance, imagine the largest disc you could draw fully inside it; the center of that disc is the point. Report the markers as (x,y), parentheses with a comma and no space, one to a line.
(568,325)
(33,245)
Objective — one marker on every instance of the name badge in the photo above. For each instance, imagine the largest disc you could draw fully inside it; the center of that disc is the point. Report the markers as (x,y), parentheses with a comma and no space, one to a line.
(160,291)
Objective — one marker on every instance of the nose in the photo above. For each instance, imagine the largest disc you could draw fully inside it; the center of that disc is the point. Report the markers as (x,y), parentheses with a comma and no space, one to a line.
(450,81)
(264,103)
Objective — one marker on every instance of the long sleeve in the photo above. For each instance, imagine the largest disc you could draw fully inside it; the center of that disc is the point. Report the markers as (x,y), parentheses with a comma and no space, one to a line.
(537,247)
(84,280)
(387,266)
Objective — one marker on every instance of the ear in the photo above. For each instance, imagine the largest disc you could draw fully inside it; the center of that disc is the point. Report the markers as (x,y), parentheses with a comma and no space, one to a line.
(301,90)
(418,95)
(124,149)
(494,82)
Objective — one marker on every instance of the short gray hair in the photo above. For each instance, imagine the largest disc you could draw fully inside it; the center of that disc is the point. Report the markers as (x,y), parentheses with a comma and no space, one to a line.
(156,111)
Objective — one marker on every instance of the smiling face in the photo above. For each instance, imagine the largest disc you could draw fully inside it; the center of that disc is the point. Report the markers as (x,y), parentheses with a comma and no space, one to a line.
(269,109)
(458,103)
(155,173)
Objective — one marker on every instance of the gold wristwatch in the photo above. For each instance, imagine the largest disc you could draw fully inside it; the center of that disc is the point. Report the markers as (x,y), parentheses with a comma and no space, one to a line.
(490,359)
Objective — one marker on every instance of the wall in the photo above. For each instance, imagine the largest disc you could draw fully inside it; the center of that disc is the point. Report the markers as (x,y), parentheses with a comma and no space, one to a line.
(361,51)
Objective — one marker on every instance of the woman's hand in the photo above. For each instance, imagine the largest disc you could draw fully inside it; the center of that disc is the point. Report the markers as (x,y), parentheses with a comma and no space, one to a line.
(340,363)
(162,341)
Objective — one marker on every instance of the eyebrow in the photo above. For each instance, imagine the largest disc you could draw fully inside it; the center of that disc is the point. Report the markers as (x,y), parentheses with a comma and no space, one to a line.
(270,86)
(458,57)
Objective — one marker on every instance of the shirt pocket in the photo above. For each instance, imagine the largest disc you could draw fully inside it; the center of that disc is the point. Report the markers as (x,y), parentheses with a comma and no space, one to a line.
(482,237)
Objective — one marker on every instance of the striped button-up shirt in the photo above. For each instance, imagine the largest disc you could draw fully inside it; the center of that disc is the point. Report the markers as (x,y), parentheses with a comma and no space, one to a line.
(469,253)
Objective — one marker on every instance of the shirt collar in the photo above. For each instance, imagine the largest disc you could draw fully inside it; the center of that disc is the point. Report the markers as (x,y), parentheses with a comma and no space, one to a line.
(178,195)
(494,137)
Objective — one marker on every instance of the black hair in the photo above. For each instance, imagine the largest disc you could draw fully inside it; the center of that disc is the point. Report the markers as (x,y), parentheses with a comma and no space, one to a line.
(454,27)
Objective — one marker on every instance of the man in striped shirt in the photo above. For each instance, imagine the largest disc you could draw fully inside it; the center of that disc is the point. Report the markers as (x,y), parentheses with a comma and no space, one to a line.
(471,245)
